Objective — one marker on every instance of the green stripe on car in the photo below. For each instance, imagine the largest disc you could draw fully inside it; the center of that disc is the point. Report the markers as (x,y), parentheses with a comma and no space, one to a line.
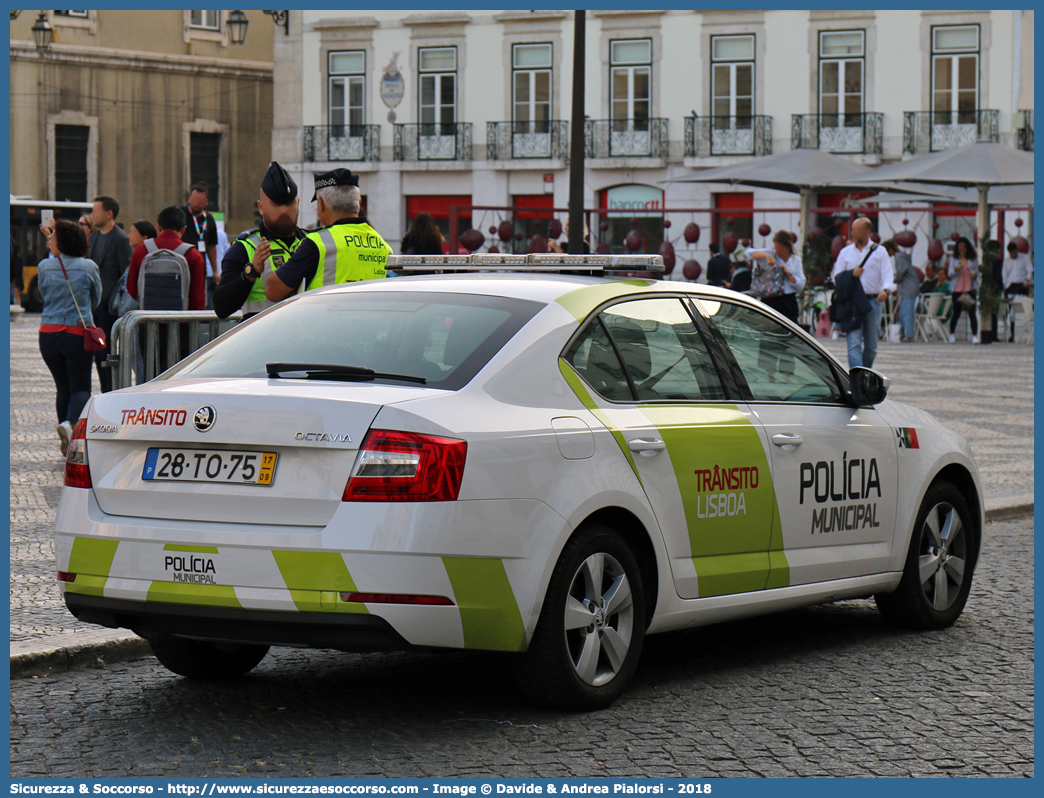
(91,561)
(316,579)
(581,301)
(489,612)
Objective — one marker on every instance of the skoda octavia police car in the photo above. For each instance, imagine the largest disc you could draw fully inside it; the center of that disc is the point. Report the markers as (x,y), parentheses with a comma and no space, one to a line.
(540,463)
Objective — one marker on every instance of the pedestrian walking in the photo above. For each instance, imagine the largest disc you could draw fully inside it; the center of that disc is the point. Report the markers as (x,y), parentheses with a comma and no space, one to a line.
(907,288)
(869,263)
(963,271)
(719,269)
(71,287)
(1017,277)
(423,237)
(344,250)
(793,274)
(110,248)
(257,253)
(201,232)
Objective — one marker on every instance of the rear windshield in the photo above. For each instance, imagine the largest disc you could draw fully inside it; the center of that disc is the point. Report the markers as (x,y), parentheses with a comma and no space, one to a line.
(445,338)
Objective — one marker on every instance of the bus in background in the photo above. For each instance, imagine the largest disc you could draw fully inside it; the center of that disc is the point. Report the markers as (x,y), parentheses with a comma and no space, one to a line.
(30,243)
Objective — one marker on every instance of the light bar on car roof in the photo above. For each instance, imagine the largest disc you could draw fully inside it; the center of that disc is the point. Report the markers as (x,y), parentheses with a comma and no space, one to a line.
(537,262)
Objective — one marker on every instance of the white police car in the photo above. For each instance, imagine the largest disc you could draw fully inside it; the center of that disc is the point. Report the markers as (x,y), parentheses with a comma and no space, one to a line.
(539,463)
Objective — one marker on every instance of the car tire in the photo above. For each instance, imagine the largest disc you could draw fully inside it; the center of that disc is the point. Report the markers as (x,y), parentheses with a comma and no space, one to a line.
(589,635)
(937,576)
(206,661)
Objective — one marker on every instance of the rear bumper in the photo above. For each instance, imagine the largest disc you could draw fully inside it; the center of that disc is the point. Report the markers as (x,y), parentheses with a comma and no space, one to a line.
(359,633)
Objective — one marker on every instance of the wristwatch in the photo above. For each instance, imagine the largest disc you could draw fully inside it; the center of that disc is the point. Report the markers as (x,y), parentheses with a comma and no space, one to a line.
(250,274)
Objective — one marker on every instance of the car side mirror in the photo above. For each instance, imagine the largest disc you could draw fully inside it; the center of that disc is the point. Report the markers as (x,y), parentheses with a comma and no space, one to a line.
(869,387)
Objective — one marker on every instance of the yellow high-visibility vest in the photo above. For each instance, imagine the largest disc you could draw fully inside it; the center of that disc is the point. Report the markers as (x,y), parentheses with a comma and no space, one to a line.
(251,240)
(348,253)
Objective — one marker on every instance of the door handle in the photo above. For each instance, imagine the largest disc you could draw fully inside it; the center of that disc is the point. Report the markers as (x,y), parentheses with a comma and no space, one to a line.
(786,439)
(646,447)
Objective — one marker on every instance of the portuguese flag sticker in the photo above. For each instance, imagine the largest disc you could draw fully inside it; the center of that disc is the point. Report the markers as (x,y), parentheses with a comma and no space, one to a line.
(907,437)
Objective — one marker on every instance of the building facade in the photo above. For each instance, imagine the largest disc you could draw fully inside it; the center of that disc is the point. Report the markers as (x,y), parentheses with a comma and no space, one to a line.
(436,109)
(139,105)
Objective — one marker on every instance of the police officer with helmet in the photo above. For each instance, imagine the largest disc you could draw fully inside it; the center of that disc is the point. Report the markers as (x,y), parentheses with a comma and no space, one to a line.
(256,254)
(345,249)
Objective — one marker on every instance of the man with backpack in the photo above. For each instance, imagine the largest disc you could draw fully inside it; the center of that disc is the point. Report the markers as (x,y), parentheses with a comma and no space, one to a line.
(167,274)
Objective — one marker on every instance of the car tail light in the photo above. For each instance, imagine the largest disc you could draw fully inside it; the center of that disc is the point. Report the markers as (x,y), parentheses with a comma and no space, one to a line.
(406,467)
(65,576)
(77,472)
(396,598)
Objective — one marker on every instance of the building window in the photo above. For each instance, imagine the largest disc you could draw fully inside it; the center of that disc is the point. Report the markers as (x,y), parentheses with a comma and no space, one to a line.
(438,87)
(732,78)
(77,14)
(955,74)
(207,20)
(841,70)
(70,162)
(531,86)
(347,87)
(630,80)
(205,165)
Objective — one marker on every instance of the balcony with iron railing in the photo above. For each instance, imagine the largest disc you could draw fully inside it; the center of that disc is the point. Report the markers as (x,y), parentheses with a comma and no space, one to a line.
(625,138)
(843,134)
(433,141)
(931,131)
(342,143)
(542,139)
(1026,131)
(707,136)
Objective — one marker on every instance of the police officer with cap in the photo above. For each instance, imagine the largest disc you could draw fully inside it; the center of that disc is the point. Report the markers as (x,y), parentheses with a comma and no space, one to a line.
(345,249)
(256,254)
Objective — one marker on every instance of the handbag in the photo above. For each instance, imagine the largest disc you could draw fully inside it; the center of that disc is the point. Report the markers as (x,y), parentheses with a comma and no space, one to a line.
(93,337)
(120,301)
(967,300)
(766,281)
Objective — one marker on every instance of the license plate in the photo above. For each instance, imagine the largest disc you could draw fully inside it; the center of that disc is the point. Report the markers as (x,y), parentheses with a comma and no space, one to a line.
(210,465)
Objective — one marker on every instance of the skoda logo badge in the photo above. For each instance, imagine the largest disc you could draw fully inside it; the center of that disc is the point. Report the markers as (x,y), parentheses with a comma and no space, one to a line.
(204,418)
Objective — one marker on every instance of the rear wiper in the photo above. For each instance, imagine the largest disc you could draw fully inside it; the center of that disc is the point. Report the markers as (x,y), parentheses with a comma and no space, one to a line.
(327,371)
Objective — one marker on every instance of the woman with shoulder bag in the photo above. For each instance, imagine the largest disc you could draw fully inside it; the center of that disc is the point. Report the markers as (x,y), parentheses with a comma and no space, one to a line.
(71,286)
(791,278)
(964,279)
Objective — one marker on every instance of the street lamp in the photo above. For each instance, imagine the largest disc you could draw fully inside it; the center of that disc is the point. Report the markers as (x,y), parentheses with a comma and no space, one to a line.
(280,18)
(237,27)
(42,32)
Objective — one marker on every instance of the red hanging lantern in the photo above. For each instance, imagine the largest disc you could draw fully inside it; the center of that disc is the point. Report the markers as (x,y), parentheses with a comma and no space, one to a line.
(935,249)
(954,235)
(519,235)
(905,238)
(537,244)
(667,252)
(1021,243)
(633,240)
(691,233)
(554,228)
(836,246)
(493,249)
(875,238)
(1018,222)
(603,248)
(492,229)
(634,222)
(603,226)
(666,224)
(506,231)
(472,240)
(764,229)
(692,270)
(729,242)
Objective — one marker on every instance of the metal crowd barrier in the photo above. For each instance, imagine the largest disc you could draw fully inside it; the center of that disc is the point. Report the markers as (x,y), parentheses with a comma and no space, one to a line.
(135,340)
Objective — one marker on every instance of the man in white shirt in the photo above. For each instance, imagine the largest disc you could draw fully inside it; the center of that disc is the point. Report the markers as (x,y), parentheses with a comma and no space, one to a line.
(1017,276)
(877,280)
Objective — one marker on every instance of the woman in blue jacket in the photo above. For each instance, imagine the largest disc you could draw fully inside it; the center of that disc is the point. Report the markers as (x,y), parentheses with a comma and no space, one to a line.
(67,305)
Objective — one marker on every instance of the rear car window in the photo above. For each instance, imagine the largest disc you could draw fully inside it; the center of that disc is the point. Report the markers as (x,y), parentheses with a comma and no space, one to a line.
(445,338)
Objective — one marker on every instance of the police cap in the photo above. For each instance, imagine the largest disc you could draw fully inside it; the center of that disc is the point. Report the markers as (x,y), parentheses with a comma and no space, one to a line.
(335,177)
(278,185)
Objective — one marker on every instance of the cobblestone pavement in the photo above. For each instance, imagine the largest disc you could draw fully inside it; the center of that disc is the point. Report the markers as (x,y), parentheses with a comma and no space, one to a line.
(826,691)
(983,392)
